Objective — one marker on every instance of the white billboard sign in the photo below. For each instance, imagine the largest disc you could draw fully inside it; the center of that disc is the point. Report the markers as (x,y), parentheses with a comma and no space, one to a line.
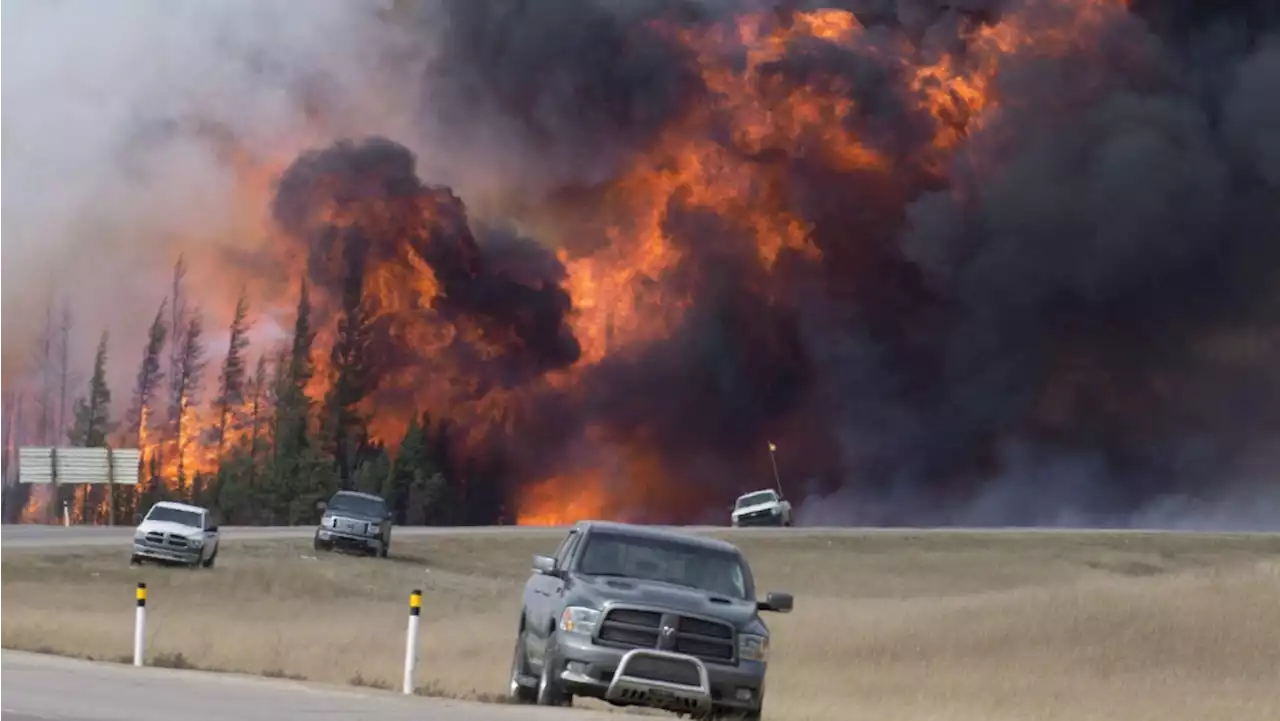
(42,464)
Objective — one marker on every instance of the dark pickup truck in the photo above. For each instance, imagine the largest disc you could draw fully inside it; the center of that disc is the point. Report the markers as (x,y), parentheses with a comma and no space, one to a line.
(641,616)
(355,521)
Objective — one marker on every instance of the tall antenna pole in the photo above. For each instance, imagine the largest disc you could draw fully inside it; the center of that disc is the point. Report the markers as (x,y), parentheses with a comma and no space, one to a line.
(774,460)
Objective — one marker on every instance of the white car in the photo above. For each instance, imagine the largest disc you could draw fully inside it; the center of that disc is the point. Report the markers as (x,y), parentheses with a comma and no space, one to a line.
(761,508)
(176,533)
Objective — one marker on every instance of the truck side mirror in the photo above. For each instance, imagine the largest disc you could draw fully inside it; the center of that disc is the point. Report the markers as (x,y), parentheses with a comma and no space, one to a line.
(777,602)
(321,505)
(545,565)
(137,519)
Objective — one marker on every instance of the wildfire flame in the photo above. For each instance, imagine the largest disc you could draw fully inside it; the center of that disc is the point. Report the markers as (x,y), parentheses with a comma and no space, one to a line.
(765,112)
(713,161)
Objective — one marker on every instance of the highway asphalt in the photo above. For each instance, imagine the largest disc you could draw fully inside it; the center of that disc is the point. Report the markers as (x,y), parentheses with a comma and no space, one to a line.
(37,687)
(54,539)
(49,538)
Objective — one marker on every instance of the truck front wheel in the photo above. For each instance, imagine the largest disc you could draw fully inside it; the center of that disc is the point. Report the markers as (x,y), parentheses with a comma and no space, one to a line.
(550,688)
(520,676)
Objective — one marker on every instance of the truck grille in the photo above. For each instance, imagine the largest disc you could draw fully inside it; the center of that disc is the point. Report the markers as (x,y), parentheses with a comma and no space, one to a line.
(349,526)
(759,518)
(639,628)
(173,540)
(671,670)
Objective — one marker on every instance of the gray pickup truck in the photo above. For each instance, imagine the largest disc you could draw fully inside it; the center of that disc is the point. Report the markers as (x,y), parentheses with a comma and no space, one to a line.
(355,521)
(641,616)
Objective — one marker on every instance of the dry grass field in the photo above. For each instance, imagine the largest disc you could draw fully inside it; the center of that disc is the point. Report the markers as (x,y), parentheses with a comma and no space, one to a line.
(891,626)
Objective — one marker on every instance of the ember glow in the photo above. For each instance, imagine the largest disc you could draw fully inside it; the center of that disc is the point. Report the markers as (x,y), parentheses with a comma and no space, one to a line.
(943,257)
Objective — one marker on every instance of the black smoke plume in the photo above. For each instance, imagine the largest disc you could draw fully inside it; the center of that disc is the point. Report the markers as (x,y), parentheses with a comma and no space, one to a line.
(360,207)
(1073,319)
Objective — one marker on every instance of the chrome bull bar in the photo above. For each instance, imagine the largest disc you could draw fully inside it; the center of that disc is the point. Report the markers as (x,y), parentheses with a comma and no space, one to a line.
(668,695)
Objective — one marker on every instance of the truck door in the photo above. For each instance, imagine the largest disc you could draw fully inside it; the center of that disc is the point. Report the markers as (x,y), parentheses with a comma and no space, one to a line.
(545,602)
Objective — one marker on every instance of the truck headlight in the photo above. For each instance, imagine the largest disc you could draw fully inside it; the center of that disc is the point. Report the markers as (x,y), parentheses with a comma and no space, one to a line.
(196,541)
(752,647)
(775,510)
(577,619)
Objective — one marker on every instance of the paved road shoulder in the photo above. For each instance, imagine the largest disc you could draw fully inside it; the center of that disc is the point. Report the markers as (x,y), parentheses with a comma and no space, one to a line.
(39,687)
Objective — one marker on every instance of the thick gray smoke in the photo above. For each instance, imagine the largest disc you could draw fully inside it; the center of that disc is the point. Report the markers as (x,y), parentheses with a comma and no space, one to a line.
(110,168)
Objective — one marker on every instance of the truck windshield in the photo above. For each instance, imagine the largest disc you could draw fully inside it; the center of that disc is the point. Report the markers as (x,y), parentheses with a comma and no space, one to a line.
(351,503)
(668,561)
(755,499)
(175,515)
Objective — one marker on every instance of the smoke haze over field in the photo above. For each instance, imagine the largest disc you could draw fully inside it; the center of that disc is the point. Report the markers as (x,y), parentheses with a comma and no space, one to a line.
(981,262)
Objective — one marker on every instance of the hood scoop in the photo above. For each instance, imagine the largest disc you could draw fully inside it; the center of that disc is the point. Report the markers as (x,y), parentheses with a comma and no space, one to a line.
(623,585)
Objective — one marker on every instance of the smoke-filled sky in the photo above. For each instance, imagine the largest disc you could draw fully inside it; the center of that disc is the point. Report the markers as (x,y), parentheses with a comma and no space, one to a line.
(980,262)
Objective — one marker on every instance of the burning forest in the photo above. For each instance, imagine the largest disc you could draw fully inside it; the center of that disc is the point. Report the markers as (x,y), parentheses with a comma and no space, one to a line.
(985,262)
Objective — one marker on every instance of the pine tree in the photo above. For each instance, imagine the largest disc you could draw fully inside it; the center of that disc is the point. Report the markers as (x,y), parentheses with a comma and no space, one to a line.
(150,376)
(93,411)
(64,367)
(345,431)
(416,489)
(231,390)
(447,489)
(140,419)
(258,400)
(185,388)
(170,419)
(43,360)
(372,474)
(10,494)
(296,467)
(293,406)
(177,327)
(92,422)
(411,456)
(231,381)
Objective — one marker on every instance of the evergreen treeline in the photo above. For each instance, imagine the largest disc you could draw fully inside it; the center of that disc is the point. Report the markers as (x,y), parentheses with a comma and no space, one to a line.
(260,450)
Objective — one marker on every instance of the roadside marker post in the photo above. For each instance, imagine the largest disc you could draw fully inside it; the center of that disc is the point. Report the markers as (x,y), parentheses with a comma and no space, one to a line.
(140,623)
(411,639)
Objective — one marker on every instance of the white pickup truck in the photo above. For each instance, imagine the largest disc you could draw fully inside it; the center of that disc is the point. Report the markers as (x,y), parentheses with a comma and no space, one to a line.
(761,508)
(176,533)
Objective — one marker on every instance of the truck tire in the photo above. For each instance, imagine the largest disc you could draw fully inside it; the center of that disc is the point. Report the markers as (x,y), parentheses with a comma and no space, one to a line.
(319,545)
(520,669)
(550,691)
(212,558)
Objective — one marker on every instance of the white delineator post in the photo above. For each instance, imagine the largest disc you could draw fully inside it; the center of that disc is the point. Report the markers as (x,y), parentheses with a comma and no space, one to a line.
(411,639)
(140,623)
(66,516)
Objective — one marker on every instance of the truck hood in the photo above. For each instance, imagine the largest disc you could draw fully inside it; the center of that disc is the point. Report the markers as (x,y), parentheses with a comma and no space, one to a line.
(355,516)
(666,596)
(167,527)
(757,507)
